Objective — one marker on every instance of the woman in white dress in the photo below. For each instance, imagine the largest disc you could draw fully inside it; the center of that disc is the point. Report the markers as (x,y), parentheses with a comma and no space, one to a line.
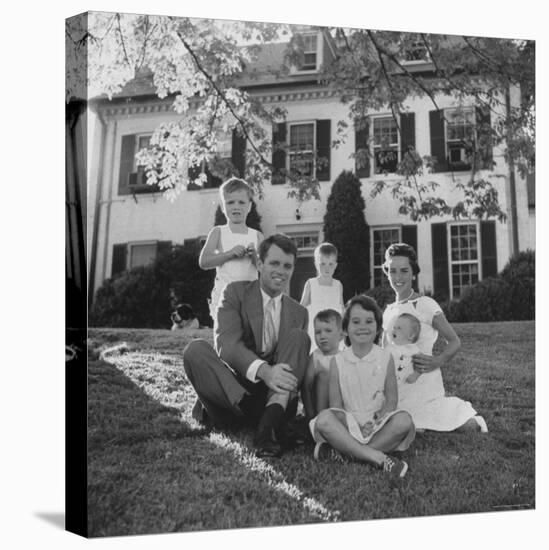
(425,400)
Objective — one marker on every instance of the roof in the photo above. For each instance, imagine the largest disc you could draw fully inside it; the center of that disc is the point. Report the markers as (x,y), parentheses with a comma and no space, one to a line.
(266,69)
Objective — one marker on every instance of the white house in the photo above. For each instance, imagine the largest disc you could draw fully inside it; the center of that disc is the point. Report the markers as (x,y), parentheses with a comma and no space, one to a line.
(129,222)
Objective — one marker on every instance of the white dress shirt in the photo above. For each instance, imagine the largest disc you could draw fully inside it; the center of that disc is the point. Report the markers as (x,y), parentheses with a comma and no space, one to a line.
(254,366)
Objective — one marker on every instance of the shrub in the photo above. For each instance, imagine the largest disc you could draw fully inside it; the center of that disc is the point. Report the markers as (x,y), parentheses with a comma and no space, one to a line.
(508,297)
(145,296)
(488,300)
(345,226)
(520,274)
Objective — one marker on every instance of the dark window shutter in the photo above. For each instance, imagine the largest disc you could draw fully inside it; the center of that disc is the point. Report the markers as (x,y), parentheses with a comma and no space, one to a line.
(438,143)
(440,260)
(211,181)
(407,133)
(127,154)
(119,253)
(484,137)
(279,155)
(409,236)
(238,153)
(162,247)
(488,247)
(323,149)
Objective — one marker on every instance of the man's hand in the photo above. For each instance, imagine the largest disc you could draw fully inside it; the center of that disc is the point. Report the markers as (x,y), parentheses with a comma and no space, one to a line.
(278,378)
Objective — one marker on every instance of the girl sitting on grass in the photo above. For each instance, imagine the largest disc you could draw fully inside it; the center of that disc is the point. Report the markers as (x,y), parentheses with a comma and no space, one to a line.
(362,420)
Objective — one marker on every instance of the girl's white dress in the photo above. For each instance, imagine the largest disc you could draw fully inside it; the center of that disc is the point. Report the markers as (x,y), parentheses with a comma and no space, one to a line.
(426,399)
(323,297)
(237,269)
(362,383)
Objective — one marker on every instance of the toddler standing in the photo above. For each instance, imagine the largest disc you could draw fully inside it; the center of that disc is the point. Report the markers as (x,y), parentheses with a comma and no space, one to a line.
(328,336)
(323,291)
(231,248)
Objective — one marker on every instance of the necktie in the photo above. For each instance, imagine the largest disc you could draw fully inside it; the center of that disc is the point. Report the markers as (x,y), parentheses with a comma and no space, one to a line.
(269,330)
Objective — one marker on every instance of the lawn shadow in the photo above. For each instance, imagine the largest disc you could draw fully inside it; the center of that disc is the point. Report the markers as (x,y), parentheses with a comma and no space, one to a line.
(152,469)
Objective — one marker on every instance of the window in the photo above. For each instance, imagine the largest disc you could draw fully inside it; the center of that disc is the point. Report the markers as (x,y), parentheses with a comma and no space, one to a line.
(138,178)
(464,257)
(309,52)
(385,137)
(381,239)
(460,134)
(414,49)
(141,254)
(302,147)
(306,242)
(222,165)
(132,177)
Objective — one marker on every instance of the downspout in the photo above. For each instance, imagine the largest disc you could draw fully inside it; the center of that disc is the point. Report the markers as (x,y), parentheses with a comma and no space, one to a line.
(109,202)
(97,209)
(512,182)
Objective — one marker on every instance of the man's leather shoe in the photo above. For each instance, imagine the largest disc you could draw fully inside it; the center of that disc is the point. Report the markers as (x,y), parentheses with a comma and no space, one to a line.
(294,433)
(266,446)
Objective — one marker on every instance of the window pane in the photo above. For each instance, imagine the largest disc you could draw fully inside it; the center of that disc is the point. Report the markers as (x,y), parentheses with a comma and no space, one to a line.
(383,238)
(301,148)
(142,254)
(464,257)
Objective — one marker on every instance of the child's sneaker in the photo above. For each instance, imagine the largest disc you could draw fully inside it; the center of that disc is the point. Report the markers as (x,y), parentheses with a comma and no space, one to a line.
(323,451)
(394,467)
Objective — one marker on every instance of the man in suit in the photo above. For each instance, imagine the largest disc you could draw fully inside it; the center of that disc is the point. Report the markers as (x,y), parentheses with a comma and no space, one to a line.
(261,352)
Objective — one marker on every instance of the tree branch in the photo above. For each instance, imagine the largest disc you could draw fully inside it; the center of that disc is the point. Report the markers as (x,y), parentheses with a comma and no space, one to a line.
(220,93)
(122,42)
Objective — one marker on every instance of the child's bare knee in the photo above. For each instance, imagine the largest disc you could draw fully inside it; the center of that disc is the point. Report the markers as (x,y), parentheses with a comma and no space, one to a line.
(402,422)
(324,420)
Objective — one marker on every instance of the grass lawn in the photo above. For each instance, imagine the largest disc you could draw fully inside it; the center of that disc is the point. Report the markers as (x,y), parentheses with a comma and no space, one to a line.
(152,469)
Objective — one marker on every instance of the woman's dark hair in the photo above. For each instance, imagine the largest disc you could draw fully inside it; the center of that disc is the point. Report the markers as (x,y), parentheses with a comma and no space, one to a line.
(282,241)
(401,249)
(367,303)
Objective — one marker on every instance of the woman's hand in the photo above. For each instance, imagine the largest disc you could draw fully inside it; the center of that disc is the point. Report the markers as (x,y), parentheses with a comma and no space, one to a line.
(426,363)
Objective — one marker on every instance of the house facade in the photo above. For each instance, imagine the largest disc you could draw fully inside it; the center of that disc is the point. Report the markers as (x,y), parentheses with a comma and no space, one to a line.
(130,223)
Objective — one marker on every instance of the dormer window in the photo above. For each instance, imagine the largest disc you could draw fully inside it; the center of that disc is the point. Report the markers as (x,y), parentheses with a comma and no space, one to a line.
(309,52)
(309,57)
(413,51)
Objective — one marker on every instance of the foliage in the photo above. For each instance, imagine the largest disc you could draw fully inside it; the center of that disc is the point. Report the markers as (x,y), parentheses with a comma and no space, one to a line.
(345,226)
(520,275)
(145,296)
(370,74)
(200,63)
(253,219)
(488,300)
(508,297)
